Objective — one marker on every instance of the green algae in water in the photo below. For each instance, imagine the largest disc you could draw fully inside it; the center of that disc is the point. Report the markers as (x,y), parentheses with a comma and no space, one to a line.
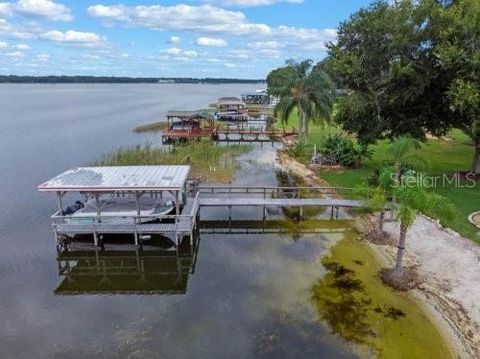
(356,305)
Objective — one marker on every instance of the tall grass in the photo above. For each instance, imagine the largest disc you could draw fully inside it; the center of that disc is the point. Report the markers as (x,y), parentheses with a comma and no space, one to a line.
(151,127)
(209,161)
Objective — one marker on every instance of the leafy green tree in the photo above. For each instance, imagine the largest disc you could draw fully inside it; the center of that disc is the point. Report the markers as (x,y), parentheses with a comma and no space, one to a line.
(458,52)
(303,88)
(382,56)
(413,67)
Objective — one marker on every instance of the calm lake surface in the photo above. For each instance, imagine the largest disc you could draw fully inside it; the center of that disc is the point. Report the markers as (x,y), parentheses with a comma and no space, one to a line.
(235,296)
(246,293)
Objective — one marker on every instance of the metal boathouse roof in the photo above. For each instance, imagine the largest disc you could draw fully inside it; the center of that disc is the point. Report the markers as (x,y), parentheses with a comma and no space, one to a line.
(120,178)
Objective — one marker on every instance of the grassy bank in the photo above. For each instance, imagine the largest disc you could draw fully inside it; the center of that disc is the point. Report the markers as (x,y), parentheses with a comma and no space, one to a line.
(383,322)
(443,156)
(209,161)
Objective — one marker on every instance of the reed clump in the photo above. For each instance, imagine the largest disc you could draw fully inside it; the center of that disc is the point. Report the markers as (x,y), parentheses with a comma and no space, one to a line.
(151,127)
(211,162)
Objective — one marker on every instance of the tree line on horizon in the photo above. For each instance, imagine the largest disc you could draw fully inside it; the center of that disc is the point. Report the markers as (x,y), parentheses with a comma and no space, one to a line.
(114,79)
(411,68)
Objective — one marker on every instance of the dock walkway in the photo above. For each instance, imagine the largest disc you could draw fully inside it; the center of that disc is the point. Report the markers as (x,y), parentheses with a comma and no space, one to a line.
(278,202)
(187,221)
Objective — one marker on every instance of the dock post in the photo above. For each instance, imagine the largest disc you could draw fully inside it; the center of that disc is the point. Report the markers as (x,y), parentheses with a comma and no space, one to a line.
(264,213)
(95,238)
(336,212)
(331,213)
(135,234)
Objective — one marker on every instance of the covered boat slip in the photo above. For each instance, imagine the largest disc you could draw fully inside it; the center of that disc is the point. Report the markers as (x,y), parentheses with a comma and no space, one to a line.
(231,109)
(188,125)
(124,199)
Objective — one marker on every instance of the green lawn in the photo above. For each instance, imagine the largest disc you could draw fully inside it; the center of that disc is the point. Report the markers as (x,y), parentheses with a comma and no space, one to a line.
(443,156)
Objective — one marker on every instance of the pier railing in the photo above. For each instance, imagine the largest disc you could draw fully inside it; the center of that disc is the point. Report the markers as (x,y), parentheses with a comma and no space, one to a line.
(131,223)
(275,191)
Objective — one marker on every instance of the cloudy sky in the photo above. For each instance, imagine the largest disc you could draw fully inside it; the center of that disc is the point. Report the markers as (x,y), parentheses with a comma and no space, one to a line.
(189,38)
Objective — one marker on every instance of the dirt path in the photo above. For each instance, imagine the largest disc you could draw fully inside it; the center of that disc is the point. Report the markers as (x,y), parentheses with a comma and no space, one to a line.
(449,264)
(291,165)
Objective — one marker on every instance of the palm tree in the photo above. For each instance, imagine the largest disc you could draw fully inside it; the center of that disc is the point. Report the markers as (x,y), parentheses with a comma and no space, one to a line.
(304,88)
(413,199)
(404,152)
(376,199)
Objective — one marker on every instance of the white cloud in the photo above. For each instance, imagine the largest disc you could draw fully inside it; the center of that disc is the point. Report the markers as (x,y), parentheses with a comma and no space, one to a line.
(211,20)
(22,47)
(42,57)
(268,53)
(205,18)
(91,57)
(24,32)
(47,9)
(174,40)
(260,45)
(15,54)
(230,65)
(175,53)
(211,41)
(239,54)
(5,9)
(117,12)
(252,3)
(77,38)
(3,45)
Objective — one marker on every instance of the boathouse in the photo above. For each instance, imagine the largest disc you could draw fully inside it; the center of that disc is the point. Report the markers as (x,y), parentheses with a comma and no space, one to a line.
(256,98)
(121,200)
(231,109)
(188,125)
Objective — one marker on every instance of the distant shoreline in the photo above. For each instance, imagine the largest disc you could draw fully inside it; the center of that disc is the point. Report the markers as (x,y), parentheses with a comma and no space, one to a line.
(13,79)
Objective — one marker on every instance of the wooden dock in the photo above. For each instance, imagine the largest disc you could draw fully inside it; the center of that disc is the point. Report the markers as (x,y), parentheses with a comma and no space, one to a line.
(226,135)
(187,222)
(249,135)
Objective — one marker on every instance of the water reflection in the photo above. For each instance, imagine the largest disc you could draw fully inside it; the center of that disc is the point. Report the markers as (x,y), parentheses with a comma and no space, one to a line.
(156,267)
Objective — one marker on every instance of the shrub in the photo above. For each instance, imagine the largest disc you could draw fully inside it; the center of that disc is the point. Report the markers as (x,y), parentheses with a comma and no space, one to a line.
(345,151)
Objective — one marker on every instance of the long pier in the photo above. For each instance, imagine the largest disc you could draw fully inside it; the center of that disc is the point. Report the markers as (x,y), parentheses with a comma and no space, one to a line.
(267,197)
(249,135)
(226,135)
(187,222)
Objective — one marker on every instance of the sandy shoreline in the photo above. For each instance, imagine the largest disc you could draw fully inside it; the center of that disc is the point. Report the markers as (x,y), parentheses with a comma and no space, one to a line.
(449,264)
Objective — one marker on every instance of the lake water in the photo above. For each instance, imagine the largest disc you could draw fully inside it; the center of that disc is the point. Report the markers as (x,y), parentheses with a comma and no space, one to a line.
(248,294)
(232,295)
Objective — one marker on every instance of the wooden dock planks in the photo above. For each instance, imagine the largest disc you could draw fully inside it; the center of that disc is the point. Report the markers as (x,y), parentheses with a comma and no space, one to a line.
(278,202)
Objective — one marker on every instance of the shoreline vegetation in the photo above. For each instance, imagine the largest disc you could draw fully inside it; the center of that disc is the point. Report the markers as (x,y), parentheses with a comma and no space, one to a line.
(151,127)
(207,160)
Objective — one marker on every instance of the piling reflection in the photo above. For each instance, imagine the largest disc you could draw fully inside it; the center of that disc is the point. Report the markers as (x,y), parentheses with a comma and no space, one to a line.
(156,267)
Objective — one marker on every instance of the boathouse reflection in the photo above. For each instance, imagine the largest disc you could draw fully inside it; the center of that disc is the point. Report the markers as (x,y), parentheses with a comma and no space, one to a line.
(156,267)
